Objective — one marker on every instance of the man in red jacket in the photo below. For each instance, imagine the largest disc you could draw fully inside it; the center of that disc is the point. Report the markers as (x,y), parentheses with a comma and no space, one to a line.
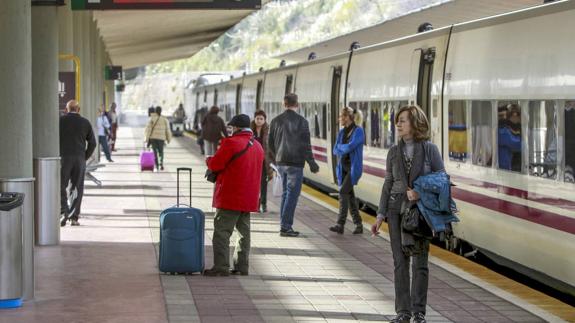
(238,163)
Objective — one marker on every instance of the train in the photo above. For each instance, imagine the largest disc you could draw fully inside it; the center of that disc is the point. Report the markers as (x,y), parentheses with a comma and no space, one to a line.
(465,77)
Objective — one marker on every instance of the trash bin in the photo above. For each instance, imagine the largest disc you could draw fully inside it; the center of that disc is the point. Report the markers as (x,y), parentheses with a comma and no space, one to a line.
(11,248)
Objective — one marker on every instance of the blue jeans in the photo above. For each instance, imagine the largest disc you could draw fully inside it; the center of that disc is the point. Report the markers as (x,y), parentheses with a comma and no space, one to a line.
(104,145)
(292,178)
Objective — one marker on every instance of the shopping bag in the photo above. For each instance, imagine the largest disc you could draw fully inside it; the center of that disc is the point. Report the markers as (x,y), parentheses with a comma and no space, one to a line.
(277,186)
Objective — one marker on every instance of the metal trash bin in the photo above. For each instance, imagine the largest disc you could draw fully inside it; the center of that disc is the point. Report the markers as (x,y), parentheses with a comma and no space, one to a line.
(11,249)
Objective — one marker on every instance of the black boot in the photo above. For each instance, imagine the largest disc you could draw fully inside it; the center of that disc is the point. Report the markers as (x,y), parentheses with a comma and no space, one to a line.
(419,318)
(401,318)
(354,210)
(343,209)
(338,228)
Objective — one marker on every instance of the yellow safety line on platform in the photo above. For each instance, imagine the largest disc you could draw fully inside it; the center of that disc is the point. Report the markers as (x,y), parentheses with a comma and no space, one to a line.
(527,294)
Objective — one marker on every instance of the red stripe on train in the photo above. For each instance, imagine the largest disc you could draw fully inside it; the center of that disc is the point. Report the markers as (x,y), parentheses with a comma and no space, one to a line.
(546,218)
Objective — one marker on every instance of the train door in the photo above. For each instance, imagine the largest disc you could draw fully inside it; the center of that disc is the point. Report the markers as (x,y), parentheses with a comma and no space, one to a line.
(238,99)
(259,95)
(332,117)
(289,84)
(422,66)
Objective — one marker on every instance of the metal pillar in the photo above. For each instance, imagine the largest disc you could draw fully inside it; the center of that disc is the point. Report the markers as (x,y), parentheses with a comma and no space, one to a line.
(16,121)
(45,120)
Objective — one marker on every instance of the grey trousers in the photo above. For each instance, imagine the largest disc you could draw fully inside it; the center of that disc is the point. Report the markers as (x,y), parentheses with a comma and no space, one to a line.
(210,147)
(224,223)
(409,298)
(348,201)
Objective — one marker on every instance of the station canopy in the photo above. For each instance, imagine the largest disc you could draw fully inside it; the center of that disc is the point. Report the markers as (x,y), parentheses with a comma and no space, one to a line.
(439,15)
(140,37)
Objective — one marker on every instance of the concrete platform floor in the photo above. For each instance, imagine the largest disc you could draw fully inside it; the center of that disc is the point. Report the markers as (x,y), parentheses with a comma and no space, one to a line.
(106,269)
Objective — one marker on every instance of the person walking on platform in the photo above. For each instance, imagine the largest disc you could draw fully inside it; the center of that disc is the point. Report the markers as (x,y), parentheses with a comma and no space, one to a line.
(412,157)
(349,151)
(289,148)
(75,132)
(157,135)
(114,122)
(103,125)
(238,164)
(261,131)
(213,129)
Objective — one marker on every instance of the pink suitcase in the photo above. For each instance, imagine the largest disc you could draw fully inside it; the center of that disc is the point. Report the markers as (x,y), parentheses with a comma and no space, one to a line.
(147,160)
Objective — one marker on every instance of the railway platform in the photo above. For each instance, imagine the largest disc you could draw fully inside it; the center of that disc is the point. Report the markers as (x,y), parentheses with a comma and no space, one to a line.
(106,269)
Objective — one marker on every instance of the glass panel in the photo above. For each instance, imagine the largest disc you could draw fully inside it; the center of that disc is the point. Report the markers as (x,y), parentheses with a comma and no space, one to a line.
(458,147)
(482,150)
(388,125)
(376,124)
(542,139)
(317,120)
(364,108)
(509,135)
(324,120)
(570,141)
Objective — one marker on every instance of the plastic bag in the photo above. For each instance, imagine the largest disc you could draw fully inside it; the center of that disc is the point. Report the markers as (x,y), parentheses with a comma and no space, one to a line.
(277,186)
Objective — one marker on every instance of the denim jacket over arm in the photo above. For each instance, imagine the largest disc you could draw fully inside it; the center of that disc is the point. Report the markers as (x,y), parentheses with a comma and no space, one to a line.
(435,202)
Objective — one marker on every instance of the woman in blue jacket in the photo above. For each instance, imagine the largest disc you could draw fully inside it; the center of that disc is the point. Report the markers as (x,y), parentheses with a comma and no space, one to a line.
(349,152)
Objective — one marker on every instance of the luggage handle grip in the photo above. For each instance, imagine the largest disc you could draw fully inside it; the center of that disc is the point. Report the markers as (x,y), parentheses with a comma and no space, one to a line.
(180,169)
(181,204)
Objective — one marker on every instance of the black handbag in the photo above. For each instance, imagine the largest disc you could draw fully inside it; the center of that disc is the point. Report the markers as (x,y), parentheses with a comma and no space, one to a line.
(212,177)
(410,219)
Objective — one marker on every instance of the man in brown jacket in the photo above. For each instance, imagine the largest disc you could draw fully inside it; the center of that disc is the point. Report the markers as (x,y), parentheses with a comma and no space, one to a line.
(213,129)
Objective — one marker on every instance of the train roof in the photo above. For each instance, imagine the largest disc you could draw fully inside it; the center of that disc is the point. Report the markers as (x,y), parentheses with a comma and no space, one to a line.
(441,14)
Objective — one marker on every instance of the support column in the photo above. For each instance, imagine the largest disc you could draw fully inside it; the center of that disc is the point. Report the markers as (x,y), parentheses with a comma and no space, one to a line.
(45,121)
(16,121)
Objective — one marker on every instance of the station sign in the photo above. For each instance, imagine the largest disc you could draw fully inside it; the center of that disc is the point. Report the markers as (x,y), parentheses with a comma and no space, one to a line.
(164,4)
(66,89)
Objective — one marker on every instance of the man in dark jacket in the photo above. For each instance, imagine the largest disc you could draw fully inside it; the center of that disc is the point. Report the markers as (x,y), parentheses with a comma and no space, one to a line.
(289,148)
(213,129)
(238,162)
(75,132)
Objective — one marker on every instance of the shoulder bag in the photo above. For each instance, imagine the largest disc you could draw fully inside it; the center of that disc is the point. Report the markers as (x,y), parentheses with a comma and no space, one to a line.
(213,176)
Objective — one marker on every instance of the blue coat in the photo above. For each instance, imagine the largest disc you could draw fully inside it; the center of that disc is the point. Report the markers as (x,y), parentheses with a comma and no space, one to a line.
(355,149)
(508,143)
(435,202)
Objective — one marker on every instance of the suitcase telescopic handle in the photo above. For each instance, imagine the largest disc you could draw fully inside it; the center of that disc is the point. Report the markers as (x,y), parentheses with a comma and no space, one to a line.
(183,169)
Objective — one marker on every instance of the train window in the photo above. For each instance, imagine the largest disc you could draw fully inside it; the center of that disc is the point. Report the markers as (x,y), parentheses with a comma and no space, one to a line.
(569,141)
(324,120)
(388,125)
(542,139)
(482,144)
(458,146)
(509,135)
(318,118)
(375,123)
(363,107)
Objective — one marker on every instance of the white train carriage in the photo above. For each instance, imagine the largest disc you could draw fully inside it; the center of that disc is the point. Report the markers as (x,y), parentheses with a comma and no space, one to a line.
(520,211)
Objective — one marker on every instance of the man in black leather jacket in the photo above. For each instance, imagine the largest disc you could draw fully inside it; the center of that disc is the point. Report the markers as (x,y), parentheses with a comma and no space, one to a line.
(290,147)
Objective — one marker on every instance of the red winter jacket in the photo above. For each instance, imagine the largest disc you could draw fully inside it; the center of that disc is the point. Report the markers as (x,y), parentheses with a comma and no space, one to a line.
(238,184)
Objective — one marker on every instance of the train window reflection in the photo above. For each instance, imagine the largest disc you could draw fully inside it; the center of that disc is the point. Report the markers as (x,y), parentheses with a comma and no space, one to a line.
(569,141)
(542,139)
(458,147)
(482,146)
(509,135)
(388,125)
(375,124)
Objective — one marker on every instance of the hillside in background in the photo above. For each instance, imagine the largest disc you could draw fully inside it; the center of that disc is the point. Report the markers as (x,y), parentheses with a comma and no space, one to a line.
(286,25)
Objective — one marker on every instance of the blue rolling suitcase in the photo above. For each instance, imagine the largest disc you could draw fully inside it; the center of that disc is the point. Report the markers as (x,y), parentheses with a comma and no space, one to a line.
(182,236)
